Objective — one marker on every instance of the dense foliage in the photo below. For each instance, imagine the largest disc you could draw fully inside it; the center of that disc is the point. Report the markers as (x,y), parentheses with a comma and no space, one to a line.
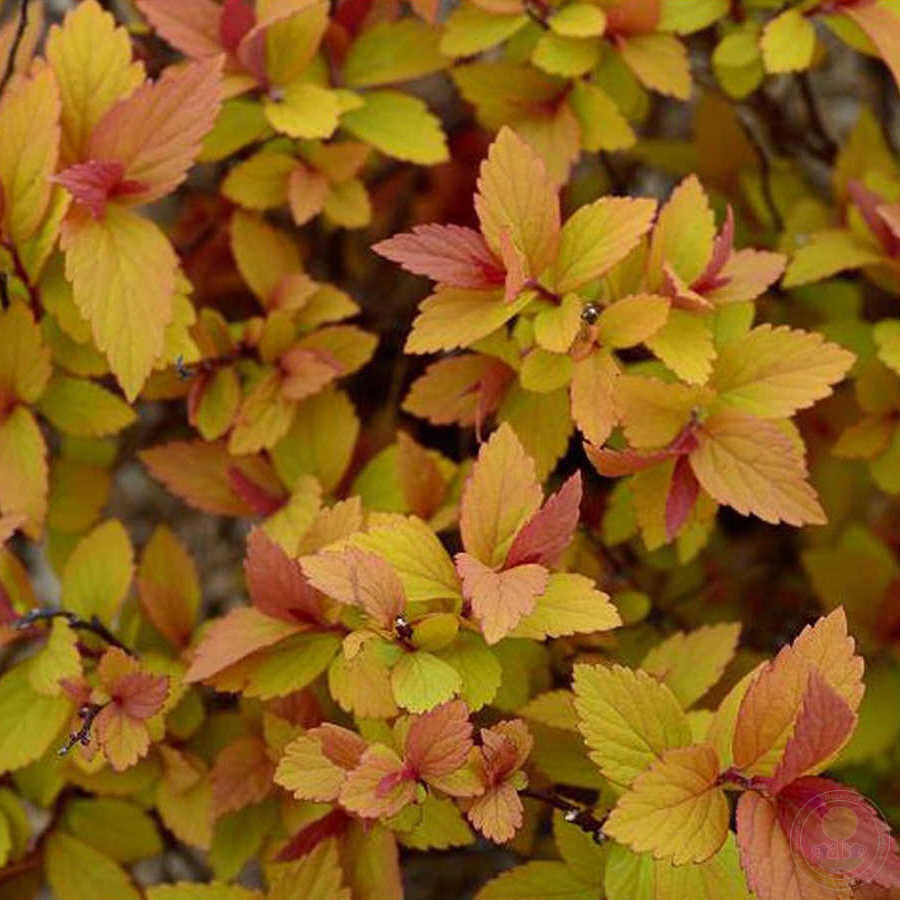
(553,572)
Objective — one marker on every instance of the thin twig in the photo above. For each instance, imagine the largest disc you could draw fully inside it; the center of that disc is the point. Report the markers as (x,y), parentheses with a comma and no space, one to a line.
(17,40)
(94,626)
(88,713)
(815,115)
(765,168)
(579,816)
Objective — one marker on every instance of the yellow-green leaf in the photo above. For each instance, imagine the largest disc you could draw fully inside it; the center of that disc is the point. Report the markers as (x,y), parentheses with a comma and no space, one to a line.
(84,409)
(393,51)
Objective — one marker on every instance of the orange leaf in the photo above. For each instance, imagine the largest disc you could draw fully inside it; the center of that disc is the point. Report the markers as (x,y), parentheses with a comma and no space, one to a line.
(675,809)
(499,497)
(823,726)
(438,741)
(277,584)
(380,786)
(497,814)
(241,776)
(424,487)
(516,195)
(882,26)
(232,638)
(155,133)
(192,28)
(752,466)
(500,599)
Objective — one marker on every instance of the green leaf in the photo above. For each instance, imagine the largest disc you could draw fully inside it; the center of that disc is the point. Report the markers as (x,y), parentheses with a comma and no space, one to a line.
(393,51)
(98,573)
(581,853)
(470,29)
(116,828)
(31,721)
(192,891)
(291,665)
(398,126)
(538,880)
(788,42)
(477,667)
(238,837)
(76,871)
(420,681)
(579,20)
(603,127)
(84,409)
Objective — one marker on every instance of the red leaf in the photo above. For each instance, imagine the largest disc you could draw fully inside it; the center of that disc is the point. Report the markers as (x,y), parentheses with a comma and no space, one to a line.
(823,726)
(276,583)
(449,254)
(615,463)
(549,531)
(140,694)
(236,21)
(682,496)
(95,182)
(261,501)
(868,203)
(308,838)
(722,249)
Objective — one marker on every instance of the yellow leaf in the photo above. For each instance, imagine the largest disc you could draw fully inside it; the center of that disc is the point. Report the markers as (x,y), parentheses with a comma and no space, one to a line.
(92,59)
(264,255)
(421,681)
(603,127)
(57,659)
(826,253)
(685,345)
(470,29)
(84,409)
(122,269)
(502,493)
(347,204)
(627,718)
(517,202)
(660,63)
(593,396)
(304,110)
(192,890)
(260,182)
(23,470)
(773,372)
(24,361)
(542,423)
(737,61)
(752,466)
(117,828)
(293,30)
(543,371)
(579,20)
(98,573)
(457,317)
(631,320)
(571,604)
(567,57)
(29,119)
(598,236)
(675,809)
(788,42)
(653,412)
(398,126)
(33,720)
(315,876)
(684,233)
(537,879)
(690,664)
(393,51)
(76,871)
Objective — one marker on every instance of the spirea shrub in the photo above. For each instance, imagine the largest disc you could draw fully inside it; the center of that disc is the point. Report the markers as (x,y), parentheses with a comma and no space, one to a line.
(449,450)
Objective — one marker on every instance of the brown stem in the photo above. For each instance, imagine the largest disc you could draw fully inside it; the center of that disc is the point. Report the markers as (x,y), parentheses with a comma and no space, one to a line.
(88,713)
(579,816)
(17,41)
(94,626)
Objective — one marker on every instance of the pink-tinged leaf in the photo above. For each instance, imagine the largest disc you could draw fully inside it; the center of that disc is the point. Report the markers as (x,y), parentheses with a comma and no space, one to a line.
(766,856)
(682,496)
(155,132)
(260,500)
(140,694)
(838,835)
(306,372)
(380,786)
(343,747)
(277,585)
(629,17)
(882,26)
(746,275)
(505,747)
(448,254)
(230,639)
(358,578)
(868,203)
(500,600)
(516,267)
(616,463)
(824,725)
(499,497)
(497,814)
(424,487)
(192,28)
(308,838)
(237,19)
(122,739)
(438,742)
(93,183)
(723,246)
(241,776)
(549,531)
